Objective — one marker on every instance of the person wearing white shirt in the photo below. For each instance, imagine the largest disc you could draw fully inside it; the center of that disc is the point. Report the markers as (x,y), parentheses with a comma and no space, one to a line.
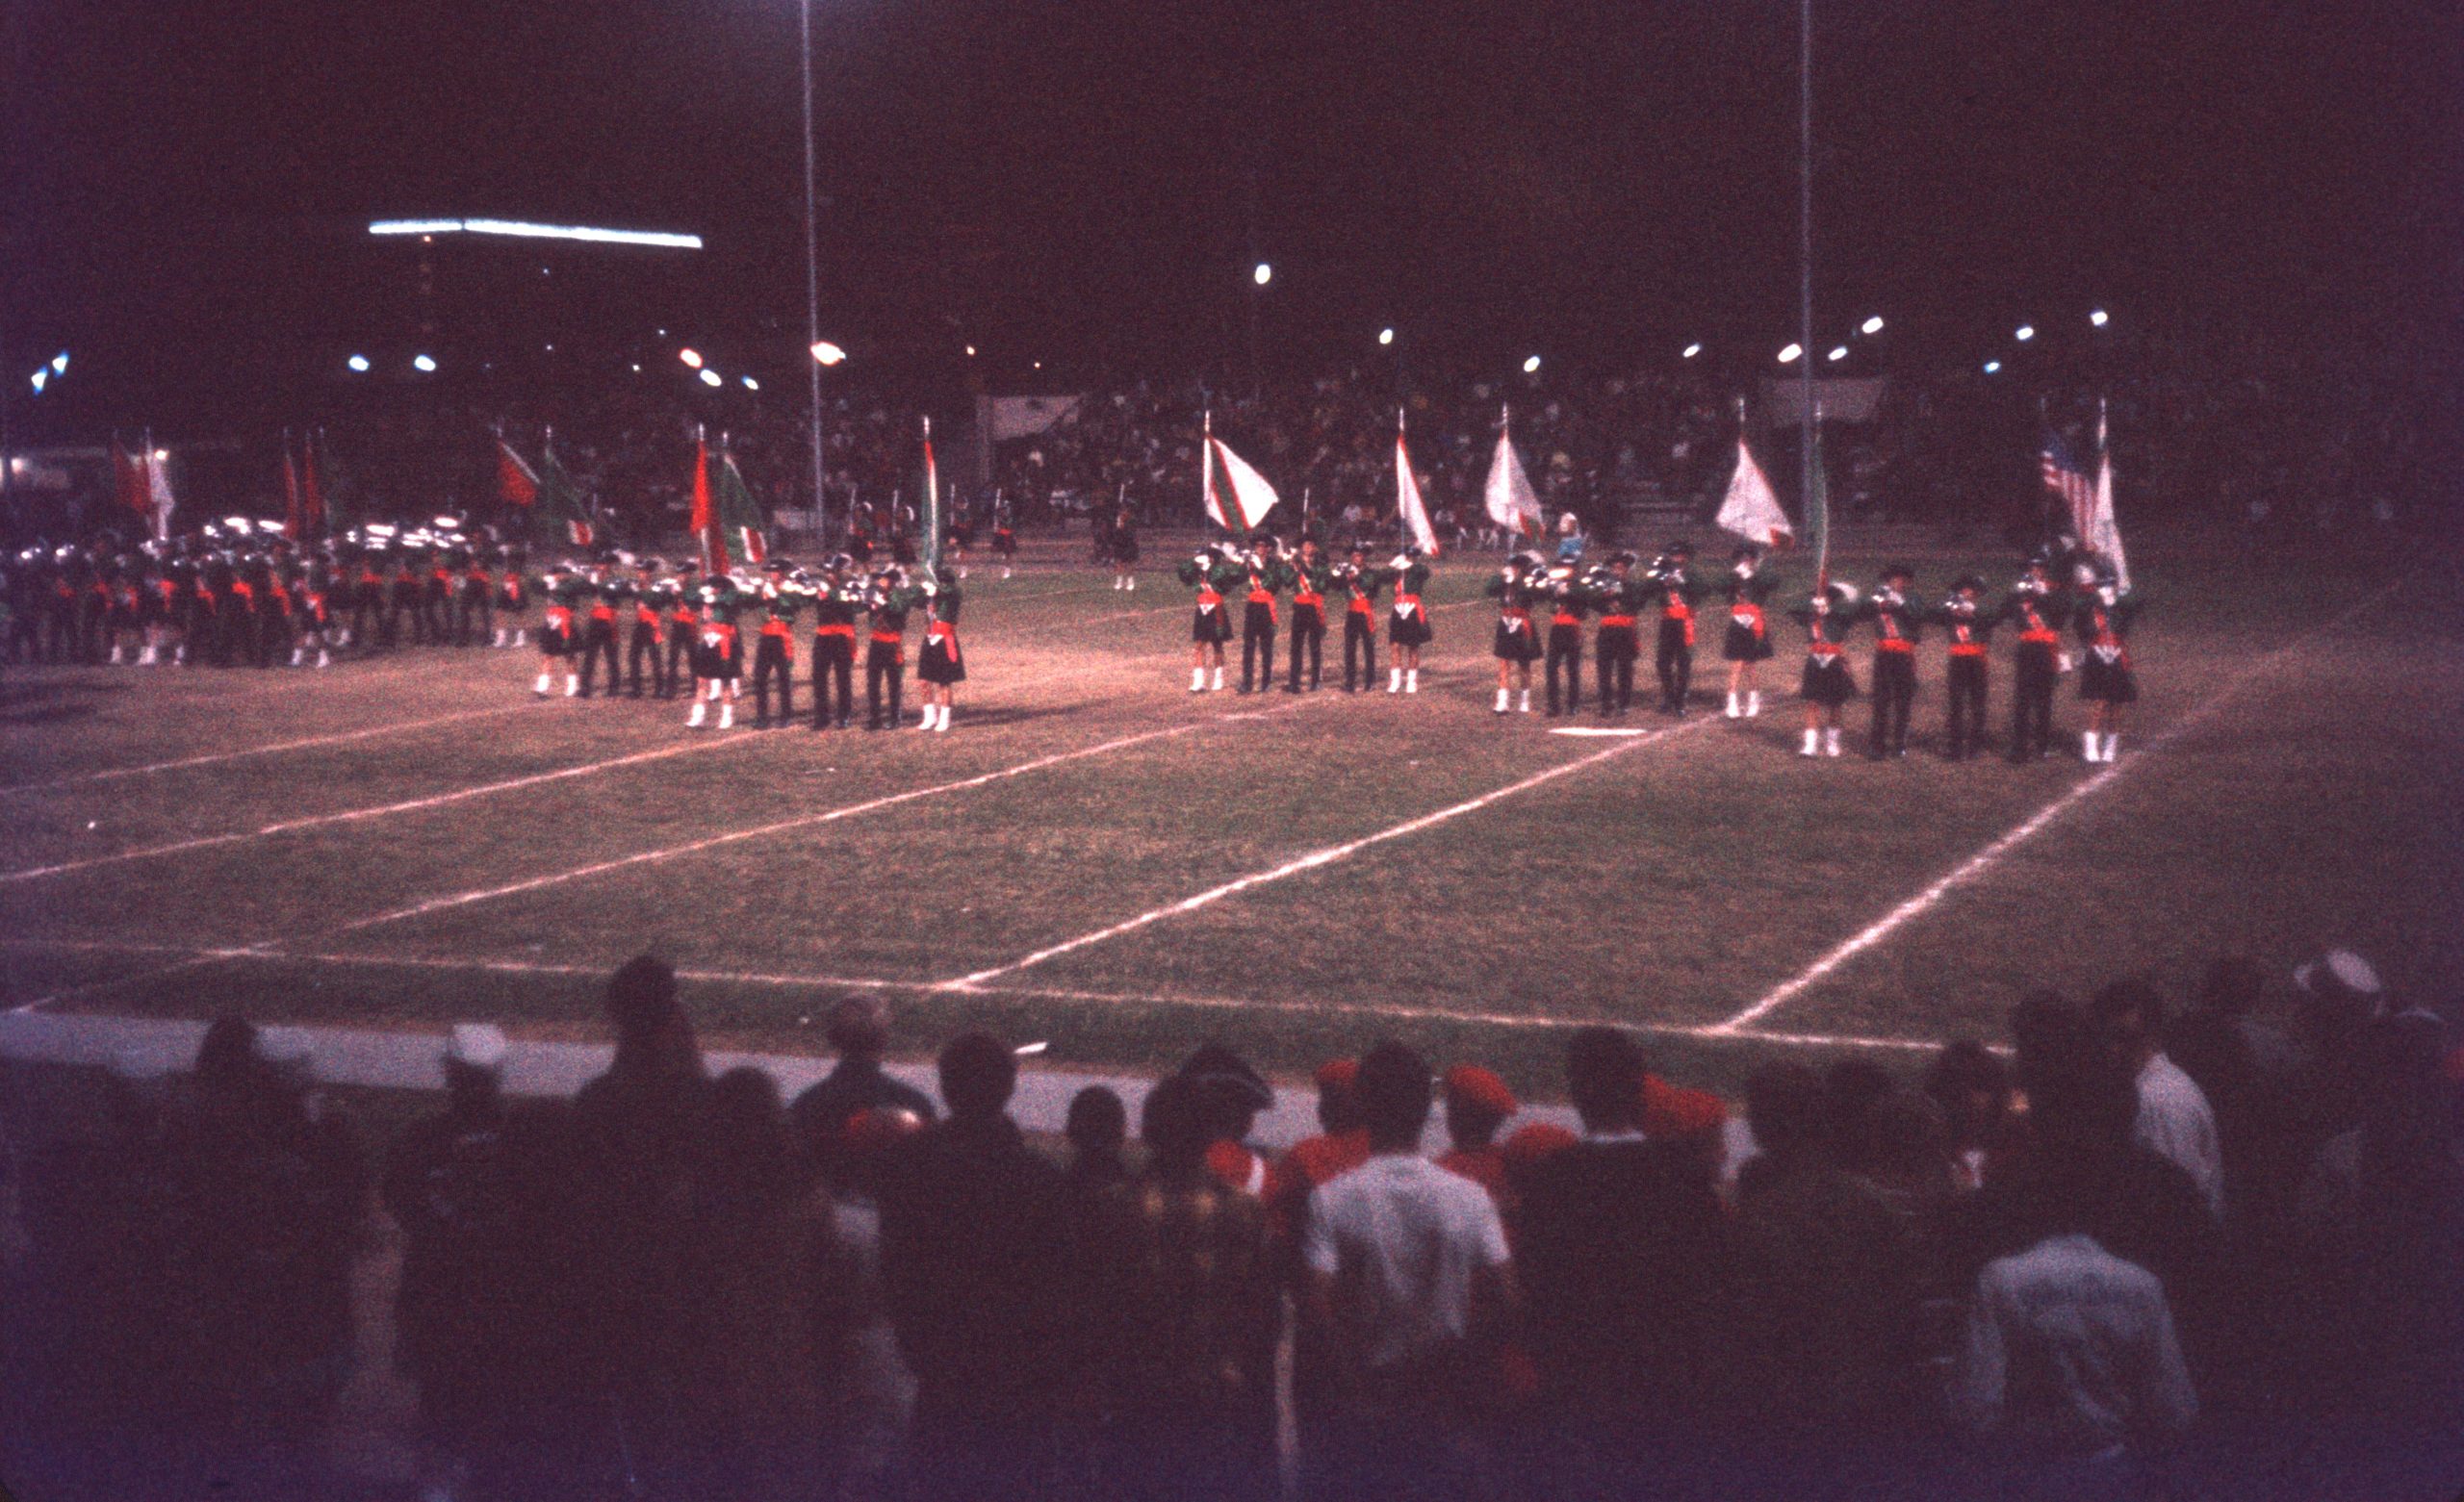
(2175,1120)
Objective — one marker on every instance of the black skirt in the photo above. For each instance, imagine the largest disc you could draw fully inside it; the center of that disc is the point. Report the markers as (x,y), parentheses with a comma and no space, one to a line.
(940,662)
(1827,680)
(1516,644)
(1209,626)
(2108,682)
(1409,631)
(1743,643)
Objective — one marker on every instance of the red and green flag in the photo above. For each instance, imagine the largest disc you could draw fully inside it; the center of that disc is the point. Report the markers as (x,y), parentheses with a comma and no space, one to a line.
(738,518)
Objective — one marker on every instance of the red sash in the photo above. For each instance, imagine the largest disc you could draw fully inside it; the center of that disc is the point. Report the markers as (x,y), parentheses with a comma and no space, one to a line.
(1260,597)
(1565,617)
(1310,598)
(1825,650)
(881,638)
(1895,644)
(1208,598)
(602,611)
(1359,605)
(1750,617)
(1619,623)
(843,628)
(560,617)
(1408,604)
(944,632)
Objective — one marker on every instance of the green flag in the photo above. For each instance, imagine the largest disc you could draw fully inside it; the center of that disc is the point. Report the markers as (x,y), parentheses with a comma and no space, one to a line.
(928,548)
(739,518)
(339,504)
(1818,510)
(558,516)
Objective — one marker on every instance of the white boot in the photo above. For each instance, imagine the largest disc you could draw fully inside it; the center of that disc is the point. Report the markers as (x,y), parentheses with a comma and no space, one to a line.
(1501,697)
(931,710)
(945,719)
(701,710)
(1132,586)
(115,662)
(540,688)
(324,659)
(2088,746)
(1411,681)
(1005,570)
(573,686)
(1734,711)
(727,714)
(499,641)
(1219,680)
(145,658)
(1753,702)
(1393,681)
(180,655)
(1831,741)
(521,637)
(1813,742)
(1526,706)
(1120,581)
(298,655)
(2113,744)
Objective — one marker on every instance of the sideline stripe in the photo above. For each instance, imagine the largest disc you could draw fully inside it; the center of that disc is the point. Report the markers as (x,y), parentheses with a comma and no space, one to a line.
(803,822)
(1986,860)
(1313,860)
(379,811)
(1383,1012)
(114,773)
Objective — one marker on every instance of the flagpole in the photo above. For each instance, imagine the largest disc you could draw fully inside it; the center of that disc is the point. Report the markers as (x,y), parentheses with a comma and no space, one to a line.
(1811,419)
(1205,461)
(812,274)
(1402,457)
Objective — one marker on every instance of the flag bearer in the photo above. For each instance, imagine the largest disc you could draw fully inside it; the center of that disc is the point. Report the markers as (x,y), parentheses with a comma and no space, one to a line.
(1407,627)
(1747,643)
(1517,644)
(718,657)
(1970,631)
(1825,683)
(2103,624)
(1211,573)
(1896,620)
(940,664)
(836,600)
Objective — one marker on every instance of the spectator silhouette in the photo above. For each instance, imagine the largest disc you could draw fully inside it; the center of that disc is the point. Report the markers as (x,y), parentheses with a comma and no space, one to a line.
(859,1029)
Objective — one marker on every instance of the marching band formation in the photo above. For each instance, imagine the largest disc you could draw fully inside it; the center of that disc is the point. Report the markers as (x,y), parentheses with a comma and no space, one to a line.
(641,629)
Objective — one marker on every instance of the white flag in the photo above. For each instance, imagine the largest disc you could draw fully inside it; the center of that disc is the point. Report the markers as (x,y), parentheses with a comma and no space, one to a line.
(1408,500)
(2104,534)
(1750,511)
(1251,497)
(158,492)
(1513,504)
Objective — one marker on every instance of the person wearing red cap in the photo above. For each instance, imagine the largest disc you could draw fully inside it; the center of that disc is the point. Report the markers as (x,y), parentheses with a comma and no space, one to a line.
(1343,1146)
(1477,1102)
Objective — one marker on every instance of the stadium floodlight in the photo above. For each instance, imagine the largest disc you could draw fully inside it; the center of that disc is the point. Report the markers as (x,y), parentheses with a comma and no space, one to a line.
(2025,332)
(426,364)
(638,369)
(59,363)
(1264,274)
(1788,353)
(524,229)
(2100,318)
(1872,325)
(1993,366)
(711,378)
(750,384)
(1385,336)
(42,378)
(1837,352)
(1690,352)
(691,357)
(970,351)
(358,364)
(1532,366)
(827,353)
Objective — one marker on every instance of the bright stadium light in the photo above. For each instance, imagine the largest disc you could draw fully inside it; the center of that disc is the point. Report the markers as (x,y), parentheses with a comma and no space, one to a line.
(827,353)
(2024,333)
(2100,318)
(1872,325)
(1837,352)
(692,358)
(522,229)
(1264,274)
(1993,366)
(1385,336)
(1788,353)
(711,378)
(59,363)
(42,378)
(426,364)
(1690,352)
(970,352)
(750,384)
(1532,366)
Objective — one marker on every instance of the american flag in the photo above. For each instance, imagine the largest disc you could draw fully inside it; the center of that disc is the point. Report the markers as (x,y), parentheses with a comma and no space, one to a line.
(2069,479)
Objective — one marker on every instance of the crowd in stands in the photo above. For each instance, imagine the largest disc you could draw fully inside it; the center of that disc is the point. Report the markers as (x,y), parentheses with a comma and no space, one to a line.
(2213,1251)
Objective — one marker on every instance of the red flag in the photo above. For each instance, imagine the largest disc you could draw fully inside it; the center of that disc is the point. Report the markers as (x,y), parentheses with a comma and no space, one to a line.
(128,481)
(704,526)
(515,481)
(293,511)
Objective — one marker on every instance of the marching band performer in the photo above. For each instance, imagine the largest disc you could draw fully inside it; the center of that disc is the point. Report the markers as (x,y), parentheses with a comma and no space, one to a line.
(474,598)
(1825,683)
(647,640)
(1616,646)
(1517,645)
(1970,631)
(310,615)
(1265,577)
(1671,579)
(683,629)
(1360,584)
(774,646)
(1897,623)
(1211,573)
(2103,624)
(556,635)
(718,657)
(939,665)
(1005,533)
(888,600)
(512,597)
(1312,581)
(1124,549)
(2038,608)
(835,601)
(598,629)
(1746,645)
(1407,627)
(1569,601)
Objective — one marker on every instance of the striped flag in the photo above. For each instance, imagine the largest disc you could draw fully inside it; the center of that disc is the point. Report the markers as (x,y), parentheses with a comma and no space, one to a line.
(1818,509)
(1242,492)
(293,513)
(312,496)
(1512,503)
(516,483)
(2066,480)
(1751,509)
(158,490)
(561,499)
(929,550)
(1408,505)
(739,518)
(2103,533)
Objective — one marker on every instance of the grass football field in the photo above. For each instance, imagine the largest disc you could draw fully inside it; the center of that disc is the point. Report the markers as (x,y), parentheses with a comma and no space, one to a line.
(1098,859)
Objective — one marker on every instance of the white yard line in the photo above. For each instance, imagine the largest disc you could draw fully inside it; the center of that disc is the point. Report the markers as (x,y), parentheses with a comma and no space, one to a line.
(1312,861)
(378,811)
(1986,860)
(399,727)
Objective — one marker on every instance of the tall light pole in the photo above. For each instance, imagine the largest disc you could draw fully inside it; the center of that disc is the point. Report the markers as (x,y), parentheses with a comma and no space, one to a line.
(813,263)
(1804,260)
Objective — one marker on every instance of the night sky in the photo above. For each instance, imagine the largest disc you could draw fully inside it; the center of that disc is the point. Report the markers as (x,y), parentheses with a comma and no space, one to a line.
(1073,180)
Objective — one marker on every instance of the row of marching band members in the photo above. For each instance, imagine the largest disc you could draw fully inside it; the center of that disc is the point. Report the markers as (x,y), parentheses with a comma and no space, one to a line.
(681,636)
(1257,576)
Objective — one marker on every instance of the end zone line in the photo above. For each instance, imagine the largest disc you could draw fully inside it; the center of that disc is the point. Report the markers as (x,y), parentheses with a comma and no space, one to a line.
(114,773)
(379,811)
(802,822)
(1382,1011)
(1987,859)
(1315,859)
